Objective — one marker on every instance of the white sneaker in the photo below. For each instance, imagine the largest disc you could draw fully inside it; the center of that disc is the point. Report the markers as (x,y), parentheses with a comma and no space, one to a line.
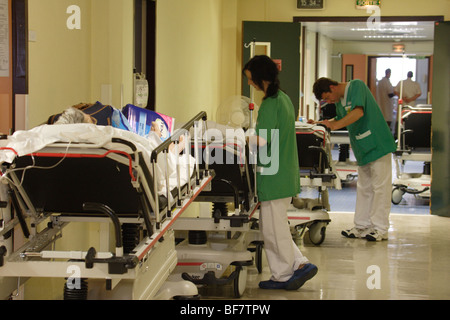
(376,235)
(356,233)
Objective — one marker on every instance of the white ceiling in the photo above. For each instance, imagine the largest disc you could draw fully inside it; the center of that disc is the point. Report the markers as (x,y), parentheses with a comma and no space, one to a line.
(372,31)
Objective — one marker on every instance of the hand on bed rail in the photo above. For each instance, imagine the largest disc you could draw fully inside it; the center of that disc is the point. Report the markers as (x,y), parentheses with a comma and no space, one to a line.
(320,123)
(181,142)
(177,134)
(351,117)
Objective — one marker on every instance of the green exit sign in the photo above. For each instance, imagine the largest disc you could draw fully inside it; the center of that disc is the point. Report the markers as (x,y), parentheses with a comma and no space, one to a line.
(362,4)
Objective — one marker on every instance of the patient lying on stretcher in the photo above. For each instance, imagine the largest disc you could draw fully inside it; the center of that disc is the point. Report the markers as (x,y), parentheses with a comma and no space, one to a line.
(74,126)
(73,115)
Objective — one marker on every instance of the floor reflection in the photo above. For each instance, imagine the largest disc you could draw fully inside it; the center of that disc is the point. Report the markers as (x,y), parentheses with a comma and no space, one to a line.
(412,264)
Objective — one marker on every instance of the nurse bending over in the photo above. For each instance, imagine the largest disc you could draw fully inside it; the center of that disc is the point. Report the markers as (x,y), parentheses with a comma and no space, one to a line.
(372,143)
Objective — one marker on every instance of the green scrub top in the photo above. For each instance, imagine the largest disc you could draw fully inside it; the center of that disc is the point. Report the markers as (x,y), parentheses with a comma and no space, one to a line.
(370,136)
(278,173)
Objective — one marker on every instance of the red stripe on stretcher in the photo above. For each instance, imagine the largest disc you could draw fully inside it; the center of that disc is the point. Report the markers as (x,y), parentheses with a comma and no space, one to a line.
(404,112)
(351,170)
(81,155)
(254,210)
(299,218)
(9,149)
(314,132)
(414,111)
(189,264)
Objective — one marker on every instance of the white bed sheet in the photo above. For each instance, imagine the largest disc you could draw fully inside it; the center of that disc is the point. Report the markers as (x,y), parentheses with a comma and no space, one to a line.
(29,141)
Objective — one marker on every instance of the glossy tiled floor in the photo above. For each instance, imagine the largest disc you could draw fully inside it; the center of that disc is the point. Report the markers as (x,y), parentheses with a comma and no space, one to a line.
(412,264)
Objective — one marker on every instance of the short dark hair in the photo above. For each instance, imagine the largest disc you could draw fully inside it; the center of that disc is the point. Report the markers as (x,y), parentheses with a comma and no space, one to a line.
(262,68)
(323,85)
(410,74)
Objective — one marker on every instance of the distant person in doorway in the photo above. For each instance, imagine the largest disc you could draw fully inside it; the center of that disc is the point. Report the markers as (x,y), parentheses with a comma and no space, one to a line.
(385,93)
(410,92)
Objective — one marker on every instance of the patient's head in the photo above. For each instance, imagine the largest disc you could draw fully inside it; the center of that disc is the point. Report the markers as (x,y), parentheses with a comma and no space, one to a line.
(73,115)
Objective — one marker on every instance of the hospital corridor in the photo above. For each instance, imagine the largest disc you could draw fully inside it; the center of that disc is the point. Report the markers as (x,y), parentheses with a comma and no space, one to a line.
(411,265)
(211,154)
(406,264)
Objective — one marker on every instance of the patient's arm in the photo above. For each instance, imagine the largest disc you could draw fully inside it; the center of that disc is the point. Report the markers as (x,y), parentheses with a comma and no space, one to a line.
(181,143)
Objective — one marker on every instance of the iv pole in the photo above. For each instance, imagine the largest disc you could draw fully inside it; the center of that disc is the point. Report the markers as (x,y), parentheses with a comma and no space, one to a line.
(251,107)
(400,105)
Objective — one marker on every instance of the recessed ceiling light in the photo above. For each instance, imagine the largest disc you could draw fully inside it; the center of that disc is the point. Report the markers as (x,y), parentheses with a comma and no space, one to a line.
(388,29)
(394,36)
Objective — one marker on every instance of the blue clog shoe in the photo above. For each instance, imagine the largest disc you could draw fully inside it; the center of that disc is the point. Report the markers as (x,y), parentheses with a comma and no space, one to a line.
(270,284)
(300,276)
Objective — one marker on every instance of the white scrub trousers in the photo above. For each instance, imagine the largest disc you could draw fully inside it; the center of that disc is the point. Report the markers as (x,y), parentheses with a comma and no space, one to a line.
(283,255)
(373,194)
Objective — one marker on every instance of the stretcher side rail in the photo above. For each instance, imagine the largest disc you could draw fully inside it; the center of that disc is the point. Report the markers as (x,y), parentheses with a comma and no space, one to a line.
(415,136)
(164,147)
(413,144)
(415,128)
(232,183)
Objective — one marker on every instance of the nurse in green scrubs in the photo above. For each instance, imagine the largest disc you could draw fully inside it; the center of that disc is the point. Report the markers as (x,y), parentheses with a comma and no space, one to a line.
(372,144)
(278,178)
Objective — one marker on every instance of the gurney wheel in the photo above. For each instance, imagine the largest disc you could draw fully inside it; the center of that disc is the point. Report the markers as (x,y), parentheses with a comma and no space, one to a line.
(240,282)
(397,195)
(258,250)
(317,232)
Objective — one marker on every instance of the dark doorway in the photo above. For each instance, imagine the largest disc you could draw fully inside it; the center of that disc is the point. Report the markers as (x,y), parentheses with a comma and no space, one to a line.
(145,44)
(280,41)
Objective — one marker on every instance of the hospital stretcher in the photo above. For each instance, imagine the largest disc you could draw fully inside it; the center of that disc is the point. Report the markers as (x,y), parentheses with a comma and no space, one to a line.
(213,247)
(113,184)
(316,174)
(346,168)
(216,248)
(414,144)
